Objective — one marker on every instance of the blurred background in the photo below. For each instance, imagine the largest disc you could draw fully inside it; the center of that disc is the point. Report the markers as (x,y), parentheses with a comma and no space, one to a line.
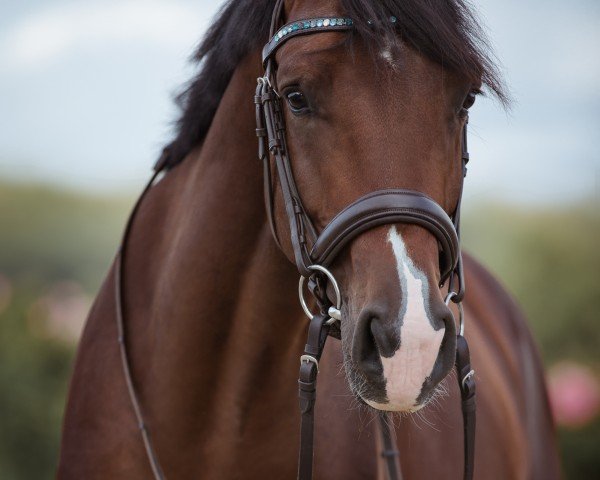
(85,102)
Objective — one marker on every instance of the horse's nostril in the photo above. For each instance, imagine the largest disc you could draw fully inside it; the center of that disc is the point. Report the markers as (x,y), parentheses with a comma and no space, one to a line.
(441,316)
(375,337)
(386,337)
(364,345)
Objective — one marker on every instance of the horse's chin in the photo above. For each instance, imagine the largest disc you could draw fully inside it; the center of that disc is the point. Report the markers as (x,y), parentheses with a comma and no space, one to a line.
(399,401)
(388,396)
(398,406)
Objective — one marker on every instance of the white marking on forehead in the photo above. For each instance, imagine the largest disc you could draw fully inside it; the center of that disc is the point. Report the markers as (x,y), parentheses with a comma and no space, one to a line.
(413,362)
(386,54)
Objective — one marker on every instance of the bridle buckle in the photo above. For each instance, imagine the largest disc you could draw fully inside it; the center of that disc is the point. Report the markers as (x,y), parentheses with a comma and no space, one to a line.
(309,359)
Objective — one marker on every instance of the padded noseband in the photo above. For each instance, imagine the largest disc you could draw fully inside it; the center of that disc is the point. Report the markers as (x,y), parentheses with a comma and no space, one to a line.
(385,207)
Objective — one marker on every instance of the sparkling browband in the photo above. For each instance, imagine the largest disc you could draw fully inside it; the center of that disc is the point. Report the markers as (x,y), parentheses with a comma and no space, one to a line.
(310,25)
(313,23)
(303,27)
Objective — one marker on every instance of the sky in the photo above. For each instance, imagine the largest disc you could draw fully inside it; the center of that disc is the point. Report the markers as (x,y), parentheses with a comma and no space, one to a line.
(86,94)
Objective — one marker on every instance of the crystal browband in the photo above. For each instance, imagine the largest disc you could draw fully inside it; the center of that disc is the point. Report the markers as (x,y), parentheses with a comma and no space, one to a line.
(312,23)
(307,26)
(303,27)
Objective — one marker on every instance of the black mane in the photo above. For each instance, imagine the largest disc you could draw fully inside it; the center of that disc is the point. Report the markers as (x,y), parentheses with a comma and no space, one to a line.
(446,31)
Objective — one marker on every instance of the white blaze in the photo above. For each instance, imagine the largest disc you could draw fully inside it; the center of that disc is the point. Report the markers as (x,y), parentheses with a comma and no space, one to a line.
(413,362)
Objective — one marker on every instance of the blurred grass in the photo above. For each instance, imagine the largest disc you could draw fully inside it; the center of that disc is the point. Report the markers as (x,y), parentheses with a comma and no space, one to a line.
(33,378)
(50,234)
(550,261)
(46,236)
(547,257)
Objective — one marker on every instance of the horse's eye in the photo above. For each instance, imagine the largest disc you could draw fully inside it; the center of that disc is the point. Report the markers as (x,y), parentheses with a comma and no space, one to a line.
(297,102)
(470,100)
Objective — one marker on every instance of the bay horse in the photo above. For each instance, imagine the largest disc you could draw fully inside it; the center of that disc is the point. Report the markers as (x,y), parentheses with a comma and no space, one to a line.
(186,367)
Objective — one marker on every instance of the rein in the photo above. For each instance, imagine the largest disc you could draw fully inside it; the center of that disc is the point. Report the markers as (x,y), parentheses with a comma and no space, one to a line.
(315,252)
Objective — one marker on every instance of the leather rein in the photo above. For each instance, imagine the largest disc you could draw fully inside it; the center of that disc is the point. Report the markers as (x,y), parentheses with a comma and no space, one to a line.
(315,252)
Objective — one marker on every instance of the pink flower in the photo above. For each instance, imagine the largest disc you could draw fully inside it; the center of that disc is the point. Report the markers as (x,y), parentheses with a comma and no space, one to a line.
(574,394)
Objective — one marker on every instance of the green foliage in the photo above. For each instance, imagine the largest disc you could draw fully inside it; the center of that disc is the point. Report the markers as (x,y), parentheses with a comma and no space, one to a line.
(580,451)
(33,379)
(46,236)
(548,258)
(54,235)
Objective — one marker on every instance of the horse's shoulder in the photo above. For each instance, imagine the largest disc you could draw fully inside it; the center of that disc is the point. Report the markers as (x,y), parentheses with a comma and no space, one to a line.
(503,334)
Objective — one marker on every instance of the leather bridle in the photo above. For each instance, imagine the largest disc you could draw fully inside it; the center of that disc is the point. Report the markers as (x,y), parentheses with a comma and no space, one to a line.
(315,251)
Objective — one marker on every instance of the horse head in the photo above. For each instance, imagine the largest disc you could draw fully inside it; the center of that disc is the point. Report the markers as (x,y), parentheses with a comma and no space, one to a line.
(364,117)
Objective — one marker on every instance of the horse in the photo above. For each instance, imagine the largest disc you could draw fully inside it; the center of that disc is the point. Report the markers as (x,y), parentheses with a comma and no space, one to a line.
(187,364)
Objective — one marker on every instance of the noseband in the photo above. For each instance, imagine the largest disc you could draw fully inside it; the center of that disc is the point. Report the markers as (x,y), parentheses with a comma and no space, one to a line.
(315,252)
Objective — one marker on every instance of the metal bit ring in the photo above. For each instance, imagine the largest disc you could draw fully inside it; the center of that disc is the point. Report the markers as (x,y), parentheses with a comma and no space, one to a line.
(334,311)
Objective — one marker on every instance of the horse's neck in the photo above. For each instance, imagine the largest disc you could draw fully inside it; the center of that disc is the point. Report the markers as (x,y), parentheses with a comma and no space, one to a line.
(208,294)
